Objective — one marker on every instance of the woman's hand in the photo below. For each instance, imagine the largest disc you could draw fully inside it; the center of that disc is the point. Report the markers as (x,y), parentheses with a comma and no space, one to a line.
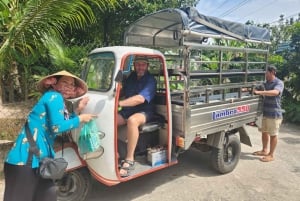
(84,118)
(82,103)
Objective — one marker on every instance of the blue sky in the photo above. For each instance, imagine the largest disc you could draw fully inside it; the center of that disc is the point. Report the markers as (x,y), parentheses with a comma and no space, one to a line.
(259,11)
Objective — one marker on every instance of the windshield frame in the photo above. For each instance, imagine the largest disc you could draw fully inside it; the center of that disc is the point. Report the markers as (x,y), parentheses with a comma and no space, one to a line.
(97,79)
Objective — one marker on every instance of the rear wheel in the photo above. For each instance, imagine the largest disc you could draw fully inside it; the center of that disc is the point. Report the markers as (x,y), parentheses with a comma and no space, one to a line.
(224,160)
(75,185)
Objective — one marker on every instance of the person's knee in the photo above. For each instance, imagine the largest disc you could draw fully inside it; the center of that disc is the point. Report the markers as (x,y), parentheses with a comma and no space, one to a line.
(133,121)
(136,120)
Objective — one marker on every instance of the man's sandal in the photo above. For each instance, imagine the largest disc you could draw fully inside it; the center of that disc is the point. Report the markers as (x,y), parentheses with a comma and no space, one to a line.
(128,169)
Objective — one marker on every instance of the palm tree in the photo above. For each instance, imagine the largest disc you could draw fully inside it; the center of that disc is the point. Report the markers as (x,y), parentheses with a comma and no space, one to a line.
(26,24)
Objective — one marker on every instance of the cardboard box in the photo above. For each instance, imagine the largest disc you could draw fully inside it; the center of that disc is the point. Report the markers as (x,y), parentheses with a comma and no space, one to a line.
(157,158)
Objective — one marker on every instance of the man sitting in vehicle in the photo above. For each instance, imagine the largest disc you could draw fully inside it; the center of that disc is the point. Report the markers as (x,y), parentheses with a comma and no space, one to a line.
(137,107)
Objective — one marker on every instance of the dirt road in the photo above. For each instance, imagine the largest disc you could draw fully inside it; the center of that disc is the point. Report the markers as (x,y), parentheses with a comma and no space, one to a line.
(193,179)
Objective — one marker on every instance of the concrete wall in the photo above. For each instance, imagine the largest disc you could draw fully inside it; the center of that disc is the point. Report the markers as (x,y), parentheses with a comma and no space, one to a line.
(5,145)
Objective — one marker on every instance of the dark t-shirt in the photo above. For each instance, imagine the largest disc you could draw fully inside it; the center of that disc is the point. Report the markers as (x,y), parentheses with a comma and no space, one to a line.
(146,87)
(272,104)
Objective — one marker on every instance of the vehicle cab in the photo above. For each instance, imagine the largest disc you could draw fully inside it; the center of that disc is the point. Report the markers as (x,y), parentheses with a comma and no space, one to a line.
(104,73)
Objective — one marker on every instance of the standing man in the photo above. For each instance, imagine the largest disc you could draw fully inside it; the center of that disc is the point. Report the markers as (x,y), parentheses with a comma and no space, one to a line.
(137,108)
(272,114)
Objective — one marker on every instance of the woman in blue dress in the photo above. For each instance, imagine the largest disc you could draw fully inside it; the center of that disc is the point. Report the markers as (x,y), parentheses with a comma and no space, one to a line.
(47,119)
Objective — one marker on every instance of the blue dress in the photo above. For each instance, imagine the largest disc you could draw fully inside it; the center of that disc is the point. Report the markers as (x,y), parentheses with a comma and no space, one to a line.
(46,120)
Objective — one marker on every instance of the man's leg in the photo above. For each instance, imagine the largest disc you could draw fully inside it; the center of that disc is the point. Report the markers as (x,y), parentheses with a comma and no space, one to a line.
(133,123)
(265,142)
(121,120)
(264,139)
(273,143)
(273,131)
(273,137)
(270,156)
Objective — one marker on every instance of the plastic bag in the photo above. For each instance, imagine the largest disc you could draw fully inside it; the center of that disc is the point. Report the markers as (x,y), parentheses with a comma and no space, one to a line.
(89,139)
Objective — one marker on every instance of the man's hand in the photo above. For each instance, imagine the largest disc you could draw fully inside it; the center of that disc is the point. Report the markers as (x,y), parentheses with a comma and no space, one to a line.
(256,92)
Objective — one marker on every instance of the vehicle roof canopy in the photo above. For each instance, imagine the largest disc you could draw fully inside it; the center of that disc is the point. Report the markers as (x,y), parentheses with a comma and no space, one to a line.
(173,27)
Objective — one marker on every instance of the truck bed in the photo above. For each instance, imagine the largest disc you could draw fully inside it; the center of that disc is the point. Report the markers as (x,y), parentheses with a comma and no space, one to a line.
(200,118)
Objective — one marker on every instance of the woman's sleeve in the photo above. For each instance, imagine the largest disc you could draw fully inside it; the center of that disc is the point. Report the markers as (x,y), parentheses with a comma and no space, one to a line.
(55,110)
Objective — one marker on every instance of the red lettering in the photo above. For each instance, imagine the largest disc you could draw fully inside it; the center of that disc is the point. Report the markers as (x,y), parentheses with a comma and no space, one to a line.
(243,108)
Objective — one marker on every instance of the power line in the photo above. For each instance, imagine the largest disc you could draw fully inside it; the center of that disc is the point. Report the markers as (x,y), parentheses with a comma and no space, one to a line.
(288,17)
(234,8)
(261,7)
(222,4)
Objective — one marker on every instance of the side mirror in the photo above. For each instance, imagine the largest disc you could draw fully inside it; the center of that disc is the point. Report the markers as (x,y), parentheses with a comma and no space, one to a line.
(119,76)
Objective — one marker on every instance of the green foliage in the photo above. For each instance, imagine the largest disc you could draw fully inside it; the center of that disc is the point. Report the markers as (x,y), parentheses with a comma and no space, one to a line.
(293,66)
(25,27)
(276,59)
(25,24)
(29,21)
(292,110)
(58,55)
(289,68)
(279,62)
(111,24)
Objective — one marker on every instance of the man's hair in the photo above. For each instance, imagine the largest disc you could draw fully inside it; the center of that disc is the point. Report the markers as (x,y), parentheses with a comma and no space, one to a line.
(272,68)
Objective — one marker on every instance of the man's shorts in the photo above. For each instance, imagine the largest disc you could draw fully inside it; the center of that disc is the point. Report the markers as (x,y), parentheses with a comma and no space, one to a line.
(126,114)
(271,126)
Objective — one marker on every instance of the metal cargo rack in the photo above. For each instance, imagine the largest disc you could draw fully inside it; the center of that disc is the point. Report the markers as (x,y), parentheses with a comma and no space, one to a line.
(213,66)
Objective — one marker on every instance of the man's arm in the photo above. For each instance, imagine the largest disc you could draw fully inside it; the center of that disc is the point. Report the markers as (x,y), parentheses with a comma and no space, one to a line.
(278,89)
(132,101)
(273,92)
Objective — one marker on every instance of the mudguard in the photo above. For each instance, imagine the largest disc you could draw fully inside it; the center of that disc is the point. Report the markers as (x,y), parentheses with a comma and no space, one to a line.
(71,155)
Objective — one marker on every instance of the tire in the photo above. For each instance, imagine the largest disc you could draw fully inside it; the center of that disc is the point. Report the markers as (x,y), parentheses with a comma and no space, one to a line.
(74,186)
(226,159)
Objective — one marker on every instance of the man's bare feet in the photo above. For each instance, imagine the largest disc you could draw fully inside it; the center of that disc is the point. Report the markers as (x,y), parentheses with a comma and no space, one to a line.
(260,153)
(267,158)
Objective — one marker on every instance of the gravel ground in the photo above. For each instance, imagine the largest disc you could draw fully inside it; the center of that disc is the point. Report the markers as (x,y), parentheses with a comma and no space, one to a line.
(193,179)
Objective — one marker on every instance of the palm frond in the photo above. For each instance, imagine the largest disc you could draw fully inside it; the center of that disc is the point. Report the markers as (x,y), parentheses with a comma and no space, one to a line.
(36,18)
(57,53)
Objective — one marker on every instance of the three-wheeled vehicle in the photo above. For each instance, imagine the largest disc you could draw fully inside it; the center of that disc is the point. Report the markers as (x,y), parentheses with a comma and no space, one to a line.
(206,69)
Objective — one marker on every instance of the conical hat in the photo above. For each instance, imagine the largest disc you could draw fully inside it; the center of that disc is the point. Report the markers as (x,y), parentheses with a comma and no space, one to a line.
(43,85)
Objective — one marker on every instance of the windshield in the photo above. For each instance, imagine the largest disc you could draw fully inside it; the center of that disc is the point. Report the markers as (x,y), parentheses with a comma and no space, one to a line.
(100,69)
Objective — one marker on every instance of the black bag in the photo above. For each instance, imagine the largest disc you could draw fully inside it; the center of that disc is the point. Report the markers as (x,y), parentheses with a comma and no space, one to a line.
(50,168)
(53,168)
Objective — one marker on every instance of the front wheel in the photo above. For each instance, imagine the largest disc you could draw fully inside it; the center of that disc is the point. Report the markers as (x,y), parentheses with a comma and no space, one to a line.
(224,160)
(74,186)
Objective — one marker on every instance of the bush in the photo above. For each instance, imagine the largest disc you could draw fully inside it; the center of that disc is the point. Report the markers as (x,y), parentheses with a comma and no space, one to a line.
(292,110)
